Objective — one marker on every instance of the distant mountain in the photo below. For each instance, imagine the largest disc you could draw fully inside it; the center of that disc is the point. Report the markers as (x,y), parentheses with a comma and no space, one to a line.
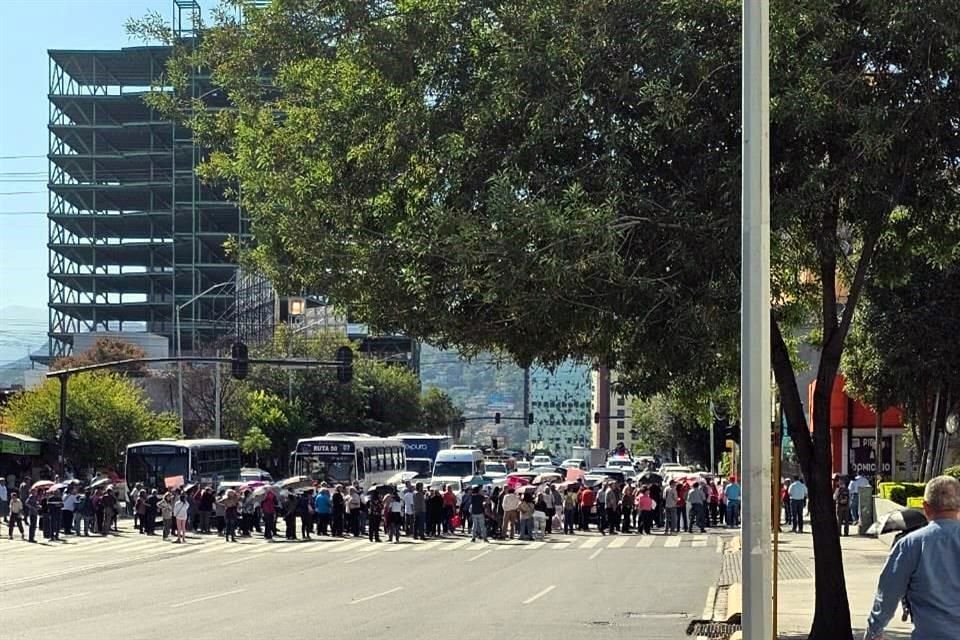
(23,330)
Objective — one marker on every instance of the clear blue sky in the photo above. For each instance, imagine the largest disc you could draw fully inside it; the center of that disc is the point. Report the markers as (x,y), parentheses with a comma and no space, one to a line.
(27,29)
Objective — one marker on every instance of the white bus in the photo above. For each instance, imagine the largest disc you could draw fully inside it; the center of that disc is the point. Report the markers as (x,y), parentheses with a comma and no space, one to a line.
(209,461)
(342,458)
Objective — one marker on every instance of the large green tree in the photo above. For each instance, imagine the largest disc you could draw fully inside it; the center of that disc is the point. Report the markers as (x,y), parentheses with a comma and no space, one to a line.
(105,411)
(556,177)
(438,412)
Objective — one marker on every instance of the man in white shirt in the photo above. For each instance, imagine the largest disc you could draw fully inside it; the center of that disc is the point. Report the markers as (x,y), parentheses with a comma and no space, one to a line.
(854,488)
(408,513)
(69,504)
(798,500)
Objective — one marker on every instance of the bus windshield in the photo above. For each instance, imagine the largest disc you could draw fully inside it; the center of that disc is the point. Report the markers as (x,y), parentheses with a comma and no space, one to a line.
(151,465)
(327,468)
(451,469)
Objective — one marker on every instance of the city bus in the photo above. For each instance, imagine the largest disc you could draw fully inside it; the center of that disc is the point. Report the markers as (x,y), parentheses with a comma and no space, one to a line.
(343,458)
(207,461)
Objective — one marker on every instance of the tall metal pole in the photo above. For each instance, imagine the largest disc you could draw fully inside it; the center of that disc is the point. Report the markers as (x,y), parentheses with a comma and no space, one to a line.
(216,393)
(755,323)
(526,402)
(63,425)
(176,321)
(713,443)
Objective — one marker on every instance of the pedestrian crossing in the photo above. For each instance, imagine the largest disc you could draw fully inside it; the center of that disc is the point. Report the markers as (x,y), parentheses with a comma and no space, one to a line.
(133,546)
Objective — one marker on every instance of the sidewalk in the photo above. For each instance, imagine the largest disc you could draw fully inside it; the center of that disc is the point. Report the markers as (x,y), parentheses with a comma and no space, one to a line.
(863,558)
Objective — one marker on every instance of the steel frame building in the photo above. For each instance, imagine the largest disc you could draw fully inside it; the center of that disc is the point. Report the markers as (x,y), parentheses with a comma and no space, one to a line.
(133,233)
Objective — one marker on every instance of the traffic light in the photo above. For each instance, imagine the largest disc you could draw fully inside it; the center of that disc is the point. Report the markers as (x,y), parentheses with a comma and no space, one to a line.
(345,368)
(732,432)
(496,418)
(238,360)
(530,418)
(596,417)
(495,442)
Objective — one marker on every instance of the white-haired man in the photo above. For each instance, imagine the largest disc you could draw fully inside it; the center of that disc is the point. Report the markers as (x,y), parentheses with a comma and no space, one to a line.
(924,566)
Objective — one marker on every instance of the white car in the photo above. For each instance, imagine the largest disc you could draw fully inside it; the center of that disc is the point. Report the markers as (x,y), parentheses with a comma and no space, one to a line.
(574,463)
(624,464)
(523,465)
(495,469)
(541,461)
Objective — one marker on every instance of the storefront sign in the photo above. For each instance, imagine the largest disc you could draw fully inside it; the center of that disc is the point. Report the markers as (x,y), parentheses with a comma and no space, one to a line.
(863,457)
(19,447)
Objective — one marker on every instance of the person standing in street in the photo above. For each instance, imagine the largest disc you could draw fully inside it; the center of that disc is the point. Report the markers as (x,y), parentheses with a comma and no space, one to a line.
(798,499)
(841,501)
(923,569)
(731,495)
(305,512)
(569,510)
(32,504)
(66,512)
(268,506)
(54,511)
(374,512)
(322,507)
(150,512)
(419,513)
(698,507)
(290,516)
(205,508)
(165,507)
(231,504)
(449,508)
(15,515)
(181,511)
(109,504)
(627,504)
(670,522)
(645,506)
(525,511)
(395,514)
(511,513)
(587,503)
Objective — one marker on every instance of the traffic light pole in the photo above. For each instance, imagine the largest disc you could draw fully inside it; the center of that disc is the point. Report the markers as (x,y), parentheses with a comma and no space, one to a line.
(62,429)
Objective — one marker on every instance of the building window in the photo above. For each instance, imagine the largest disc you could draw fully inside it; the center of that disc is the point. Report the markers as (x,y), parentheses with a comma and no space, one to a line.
(619,424)
(621,413)
(620,401)
(620,437)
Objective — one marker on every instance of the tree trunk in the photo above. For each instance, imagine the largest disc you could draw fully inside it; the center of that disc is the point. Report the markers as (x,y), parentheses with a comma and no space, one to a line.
(831,619)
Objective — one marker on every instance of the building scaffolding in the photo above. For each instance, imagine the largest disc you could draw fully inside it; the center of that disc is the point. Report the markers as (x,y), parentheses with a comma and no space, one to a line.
(133,233)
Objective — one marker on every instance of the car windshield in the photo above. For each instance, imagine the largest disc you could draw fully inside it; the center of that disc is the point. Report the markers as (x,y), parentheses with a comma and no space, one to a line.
(453,469)
(495,467)
(419,466)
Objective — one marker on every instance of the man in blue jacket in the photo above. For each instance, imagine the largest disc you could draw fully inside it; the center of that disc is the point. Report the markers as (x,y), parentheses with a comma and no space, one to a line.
(924,567)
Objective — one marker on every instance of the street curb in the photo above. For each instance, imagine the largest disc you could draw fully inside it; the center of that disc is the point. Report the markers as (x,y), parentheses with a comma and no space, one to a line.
(734,602)
(737,635)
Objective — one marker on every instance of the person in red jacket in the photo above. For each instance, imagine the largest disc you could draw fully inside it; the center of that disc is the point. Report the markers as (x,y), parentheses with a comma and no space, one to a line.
(587,501)
(269,509)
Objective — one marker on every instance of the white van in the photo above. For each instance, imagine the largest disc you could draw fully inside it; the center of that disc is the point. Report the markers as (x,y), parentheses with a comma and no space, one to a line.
(457,464)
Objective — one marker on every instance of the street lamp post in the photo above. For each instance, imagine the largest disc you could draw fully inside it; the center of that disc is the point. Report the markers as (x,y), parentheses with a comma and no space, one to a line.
(755,323)
(176,320)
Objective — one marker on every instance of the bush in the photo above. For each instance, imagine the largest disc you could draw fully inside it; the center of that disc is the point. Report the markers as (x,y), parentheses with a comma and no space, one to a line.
(900,492)
(952,471)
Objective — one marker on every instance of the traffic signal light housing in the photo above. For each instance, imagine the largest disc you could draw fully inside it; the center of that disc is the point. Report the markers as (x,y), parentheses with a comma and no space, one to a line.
(345,366)
(239,364)
(496,418)
(596,417)
(530,418)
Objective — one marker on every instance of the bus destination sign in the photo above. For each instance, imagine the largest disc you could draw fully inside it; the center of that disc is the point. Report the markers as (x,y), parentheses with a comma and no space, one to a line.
(326,448)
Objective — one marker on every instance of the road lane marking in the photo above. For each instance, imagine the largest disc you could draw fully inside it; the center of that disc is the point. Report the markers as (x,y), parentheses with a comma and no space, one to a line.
(700,541)
(35,603)
(536,545)
(213,547)
(645,541)
(539,595)
(237,548)
(393,547)
(423,546)
(340,548)
(673,542)
(561,545)
(212,596)
(376,595)
(617,542)
(290,548)
(595,553)
(450,546)
(480,555)
(590,543)
(358,558)
(237,561)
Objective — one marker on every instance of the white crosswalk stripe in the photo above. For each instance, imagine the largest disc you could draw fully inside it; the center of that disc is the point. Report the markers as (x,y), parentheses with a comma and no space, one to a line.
(124,549)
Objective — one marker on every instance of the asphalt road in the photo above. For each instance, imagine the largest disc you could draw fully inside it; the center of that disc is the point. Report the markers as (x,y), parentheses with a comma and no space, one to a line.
(133,587)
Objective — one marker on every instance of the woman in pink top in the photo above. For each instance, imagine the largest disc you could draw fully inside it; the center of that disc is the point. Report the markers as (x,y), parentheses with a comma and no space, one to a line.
(645,507)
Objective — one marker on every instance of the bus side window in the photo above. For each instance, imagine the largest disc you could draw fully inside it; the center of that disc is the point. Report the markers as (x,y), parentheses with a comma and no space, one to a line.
(360,465)
(381,460)
(480,469)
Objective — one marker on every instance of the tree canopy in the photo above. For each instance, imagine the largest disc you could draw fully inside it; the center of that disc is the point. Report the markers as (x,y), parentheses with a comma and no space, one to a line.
(105,412)
(557,178)
(438,412)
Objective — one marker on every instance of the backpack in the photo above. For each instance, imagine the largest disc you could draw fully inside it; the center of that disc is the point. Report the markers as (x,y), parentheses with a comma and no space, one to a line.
(843,496)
